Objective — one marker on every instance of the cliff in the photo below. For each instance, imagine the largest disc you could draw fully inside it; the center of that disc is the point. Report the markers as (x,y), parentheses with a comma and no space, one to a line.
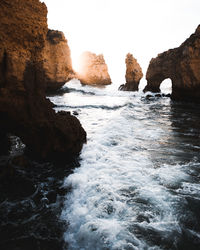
(182,66)
(24,109)
(133,74)
(93,70)
(57,62)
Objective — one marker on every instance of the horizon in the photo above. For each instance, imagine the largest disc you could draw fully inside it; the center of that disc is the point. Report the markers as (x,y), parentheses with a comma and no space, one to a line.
(115,27)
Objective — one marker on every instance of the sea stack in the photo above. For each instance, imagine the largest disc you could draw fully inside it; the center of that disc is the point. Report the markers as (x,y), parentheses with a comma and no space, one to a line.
(182,66)
(93,70)
(57,62)
(24,109)
(133,74)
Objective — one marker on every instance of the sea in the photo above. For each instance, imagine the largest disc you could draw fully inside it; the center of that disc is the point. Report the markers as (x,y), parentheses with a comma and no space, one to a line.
(135,185)
(138,183)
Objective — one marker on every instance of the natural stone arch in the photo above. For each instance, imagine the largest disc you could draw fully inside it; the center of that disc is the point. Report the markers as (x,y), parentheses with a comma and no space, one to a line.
(182,66)
(160,69)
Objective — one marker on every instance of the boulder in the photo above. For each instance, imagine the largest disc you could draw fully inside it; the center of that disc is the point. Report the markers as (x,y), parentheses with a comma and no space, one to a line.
(57,62)
(133,74)
(93,70)
(182,66)
(24,109)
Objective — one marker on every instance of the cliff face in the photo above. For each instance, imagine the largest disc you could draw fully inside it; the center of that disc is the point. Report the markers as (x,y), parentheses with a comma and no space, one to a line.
(133,74)
(182,66)
(24,110)
(56,60)
(93,70)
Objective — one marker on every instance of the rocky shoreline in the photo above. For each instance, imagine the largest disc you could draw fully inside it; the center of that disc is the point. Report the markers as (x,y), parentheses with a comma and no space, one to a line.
(32,196)
(26,71)
(39,146)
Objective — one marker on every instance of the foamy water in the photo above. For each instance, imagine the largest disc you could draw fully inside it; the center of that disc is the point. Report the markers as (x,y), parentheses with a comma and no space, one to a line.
(137,186)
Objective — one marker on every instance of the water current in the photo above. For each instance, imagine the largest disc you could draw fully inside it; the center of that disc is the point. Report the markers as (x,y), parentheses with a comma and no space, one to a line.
(138,184)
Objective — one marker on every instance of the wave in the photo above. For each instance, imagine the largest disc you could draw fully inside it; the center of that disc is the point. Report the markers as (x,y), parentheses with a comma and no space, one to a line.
(111,90)
(92,107)
(131,189)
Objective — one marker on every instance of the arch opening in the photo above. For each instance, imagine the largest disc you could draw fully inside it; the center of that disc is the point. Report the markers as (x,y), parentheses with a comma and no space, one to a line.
(166,86)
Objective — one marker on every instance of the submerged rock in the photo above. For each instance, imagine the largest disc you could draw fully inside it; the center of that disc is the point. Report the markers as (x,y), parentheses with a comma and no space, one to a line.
(24,109)
(182,66)
(93,70)
(133,74)
(57,62)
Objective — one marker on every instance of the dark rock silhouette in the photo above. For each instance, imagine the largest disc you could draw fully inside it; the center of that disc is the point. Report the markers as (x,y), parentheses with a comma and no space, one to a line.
(93,70)
(24,109)
(133,74)
(182,66)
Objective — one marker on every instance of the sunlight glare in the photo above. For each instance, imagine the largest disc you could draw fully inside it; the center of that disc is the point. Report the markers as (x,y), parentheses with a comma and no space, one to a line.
(117,27)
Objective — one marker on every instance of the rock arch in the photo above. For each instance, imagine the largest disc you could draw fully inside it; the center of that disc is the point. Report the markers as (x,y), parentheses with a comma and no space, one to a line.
(182,66)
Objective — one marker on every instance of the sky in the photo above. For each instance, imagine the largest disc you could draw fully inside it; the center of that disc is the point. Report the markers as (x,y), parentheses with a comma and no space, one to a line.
(116,27)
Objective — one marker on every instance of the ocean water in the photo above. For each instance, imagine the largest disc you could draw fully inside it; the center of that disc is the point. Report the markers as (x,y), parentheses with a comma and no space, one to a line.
(138,184)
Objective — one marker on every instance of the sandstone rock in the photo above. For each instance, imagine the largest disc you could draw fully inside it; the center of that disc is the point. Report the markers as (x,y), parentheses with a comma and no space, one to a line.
(56,60)
(133,74)
(182,66)
(24,109)
(93,70)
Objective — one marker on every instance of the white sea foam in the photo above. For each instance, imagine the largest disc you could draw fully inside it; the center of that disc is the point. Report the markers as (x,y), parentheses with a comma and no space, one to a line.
(127,190)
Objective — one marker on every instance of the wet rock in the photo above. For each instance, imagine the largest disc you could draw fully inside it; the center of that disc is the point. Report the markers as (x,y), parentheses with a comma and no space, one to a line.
(75,113)
(6,168)
(133,74)
(148,96)
(166,95)
(31,202)
(4,143)
(153,96)
(24,109)
(93,70)
(14,182)
(182,66)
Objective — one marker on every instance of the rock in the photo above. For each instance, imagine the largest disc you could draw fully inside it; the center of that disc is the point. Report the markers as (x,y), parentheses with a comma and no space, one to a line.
(75,112)
(24,109)
(182,66)
(93,70)
(133,74)
(57,62)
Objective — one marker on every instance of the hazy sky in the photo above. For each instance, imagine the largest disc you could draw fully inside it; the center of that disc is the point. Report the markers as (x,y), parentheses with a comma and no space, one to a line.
(116,27)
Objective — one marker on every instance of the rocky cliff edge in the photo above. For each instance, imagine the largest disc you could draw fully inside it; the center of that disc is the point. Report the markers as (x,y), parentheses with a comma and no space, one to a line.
(24,109)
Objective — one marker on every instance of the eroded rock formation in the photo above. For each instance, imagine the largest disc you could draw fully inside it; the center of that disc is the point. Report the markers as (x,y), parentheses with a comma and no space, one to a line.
(133,74)
(24,109)
(182,66)
(56,60)
(93,70)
